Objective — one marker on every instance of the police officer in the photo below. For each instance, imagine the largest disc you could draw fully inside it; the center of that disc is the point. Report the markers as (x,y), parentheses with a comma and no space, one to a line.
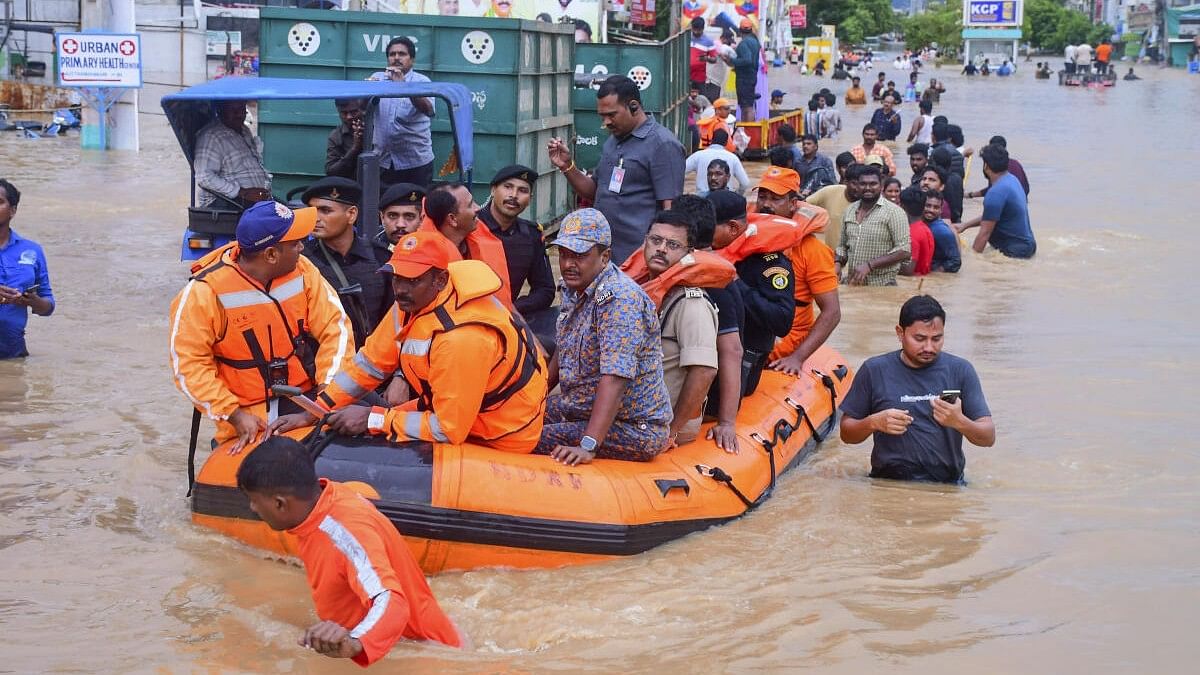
(401,209)
(512,188)
(347,261)
(765,278)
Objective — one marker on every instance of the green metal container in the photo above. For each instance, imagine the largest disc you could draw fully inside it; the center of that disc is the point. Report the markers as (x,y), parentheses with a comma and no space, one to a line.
(519,73)
(661,71)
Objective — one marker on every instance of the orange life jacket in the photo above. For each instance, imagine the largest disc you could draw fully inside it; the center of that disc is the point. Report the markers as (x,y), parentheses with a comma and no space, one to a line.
(698,269)
(764,234)
(467,300)
(266,340)
(708,126)
(485,246)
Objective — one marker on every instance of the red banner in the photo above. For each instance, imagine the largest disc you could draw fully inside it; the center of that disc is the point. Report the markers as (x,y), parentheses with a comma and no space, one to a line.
(642,13)
(798,15)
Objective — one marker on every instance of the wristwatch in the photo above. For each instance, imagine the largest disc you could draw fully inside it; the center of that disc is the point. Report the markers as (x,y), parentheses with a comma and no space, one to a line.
(588,443)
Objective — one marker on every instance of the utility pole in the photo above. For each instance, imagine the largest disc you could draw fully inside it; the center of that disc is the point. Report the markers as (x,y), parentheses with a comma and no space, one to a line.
(113,16)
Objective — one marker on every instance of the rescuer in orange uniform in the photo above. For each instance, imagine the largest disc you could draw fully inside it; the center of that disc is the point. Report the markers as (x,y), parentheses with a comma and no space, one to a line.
(476,370)
(812,269)
(368,590)
(256,313)
(709,125)
(450,210)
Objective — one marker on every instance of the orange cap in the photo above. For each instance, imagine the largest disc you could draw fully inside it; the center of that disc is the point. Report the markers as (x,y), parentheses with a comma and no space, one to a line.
(746,23)
(416,253)
(780,180)
(721,102)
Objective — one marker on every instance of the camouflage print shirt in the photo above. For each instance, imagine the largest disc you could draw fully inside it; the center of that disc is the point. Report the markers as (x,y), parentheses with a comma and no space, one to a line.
(611,328)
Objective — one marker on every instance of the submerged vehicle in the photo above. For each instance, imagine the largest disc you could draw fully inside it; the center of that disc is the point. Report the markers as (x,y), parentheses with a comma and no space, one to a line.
(463,507)
(190,110)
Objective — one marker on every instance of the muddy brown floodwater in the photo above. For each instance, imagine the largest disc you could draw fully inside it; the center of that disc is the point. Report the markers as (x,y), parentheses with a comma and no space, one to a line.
(1074,548)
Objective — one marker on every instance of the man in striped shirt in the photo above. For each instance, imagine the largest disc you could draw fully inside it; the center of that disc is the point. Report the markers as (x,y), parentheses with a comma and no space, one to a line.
(228,159)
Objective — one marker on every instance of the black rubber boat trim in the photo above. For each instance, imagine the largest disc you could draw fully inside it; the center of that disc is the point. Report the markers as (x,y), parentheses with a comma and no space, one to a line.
(473,527)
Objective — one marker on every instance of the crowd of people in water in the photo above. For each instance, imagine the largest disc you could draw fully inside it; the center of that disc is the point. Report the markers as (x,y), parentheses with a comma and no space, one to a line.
(439,323)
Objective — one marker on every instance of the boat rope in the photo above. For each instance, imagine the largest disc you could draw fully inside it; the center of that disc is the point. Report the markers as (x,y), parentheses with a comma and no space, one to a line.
(715,473)
(316,442)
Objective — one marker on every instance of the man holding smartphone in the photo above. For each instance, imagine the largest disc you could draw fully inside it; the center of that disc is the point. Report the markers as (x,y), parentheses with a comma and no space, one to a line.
(402,127)
(24,278)
(918,403)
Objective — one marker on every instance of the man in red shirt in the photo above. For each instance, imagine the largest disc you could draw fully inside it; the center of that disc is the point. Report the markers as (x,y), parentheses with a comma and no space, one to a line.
(368,590)
(703,52)
(912,199)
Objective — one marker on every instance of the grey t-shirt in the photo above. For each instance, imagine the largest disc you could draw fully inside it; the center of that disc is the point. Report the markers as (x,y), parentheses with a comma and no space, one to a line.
(927,450)
(652,161)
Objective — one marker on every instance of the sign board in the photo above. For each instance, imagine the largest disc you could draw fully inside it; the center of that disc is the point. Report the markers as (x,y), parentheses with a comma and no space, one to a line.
(992,12)
(99,59)
(642,12)
(828,32)
(215,41)
(798,14)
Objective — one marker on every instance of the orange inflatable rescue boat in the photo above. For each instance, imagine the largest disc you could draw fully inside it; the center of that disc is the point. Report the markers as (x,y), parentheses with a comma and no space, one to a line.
(462,507)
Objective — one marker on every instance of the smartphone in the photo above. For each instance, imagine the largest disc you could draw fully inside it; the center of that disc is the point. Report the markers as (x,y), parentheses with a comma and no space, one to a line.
(950,395)
(32,290)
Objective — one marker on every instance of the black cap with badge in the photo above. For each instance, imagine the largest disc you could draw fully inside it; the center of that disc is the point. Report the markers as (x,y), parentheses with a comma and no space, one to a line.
(402,194)
(334,188)
(515,171)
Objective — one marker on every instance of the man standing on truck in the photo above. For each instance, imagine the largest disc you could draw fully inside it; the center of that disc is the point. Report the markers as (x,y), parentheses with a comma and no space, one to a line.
(402,131)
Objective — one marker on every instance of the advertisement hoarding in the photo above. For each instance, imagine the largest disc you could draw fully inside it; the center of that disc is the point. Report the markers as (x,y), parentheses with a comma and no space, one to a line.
(992,13)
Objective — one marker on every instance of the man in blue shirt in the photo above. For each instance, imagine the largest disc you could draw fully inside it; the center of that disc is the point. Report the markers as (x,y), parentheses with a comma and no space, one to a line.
(918,403)
(1005,220)
(24,278)
(946,257)
(745,70)
(402,130)
(886,120)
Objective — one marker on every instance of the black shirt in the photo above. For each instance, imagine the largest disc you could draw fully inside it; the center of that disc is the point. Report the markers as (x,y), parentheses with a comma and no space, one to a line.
(767,287)
(360,266)
(341,158)
(730,312)
(525,253)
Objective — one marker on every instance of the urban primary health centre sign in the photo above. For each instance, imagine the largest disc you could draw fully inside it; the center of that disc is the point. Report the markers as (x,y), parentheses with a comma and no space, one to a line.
(99,60)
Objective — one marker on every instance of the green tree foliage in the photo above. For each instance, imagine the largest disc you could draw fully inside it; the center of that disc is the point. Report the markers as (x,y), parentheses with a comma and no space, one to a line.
(1050,27)
(940,23)
(855,19)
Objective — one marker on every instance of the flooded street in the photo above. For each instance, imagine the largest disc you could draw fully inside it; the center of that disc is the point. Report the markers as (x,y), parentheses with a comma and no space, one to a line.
(1074,548)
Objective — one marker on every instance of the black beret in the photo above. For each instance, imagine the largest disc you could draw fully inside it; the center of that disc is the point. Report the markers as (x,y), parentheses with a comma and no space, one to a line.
(728,205)
(516,171)
(334,188)
(404,194)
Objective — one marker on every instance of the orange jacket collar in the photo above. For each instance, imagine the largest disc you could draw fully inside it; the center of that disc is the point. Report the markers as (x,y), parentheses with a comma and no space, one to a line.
(699,269)
(771,234)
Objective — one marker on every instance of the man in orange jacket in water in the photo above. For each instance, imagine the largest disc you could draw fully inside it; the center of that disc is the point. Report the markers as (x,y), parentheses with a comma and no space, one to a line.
(368,590)
(475,369)
(256,313)
(812,269)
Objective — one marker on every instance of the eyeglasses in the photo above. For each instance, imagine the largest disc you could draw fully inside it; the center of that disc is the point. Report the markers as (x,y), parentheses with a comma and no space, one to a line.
(672,245)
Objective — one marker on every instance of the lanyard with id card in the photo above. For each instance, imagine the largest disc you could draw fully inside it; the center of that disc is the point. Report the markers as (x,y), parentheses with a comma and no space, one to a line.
(617,178)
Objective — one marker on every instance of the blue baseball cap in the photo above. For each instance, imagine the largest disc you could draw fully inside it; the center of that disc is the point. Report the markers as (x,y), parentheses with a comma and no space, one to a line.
(268,223)
(583,229)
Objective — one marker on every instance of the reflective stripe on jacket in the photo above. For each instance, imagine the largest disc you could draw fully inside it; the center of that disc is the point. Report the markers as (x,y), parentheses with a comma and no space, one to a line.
(474,368)
(226,329)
